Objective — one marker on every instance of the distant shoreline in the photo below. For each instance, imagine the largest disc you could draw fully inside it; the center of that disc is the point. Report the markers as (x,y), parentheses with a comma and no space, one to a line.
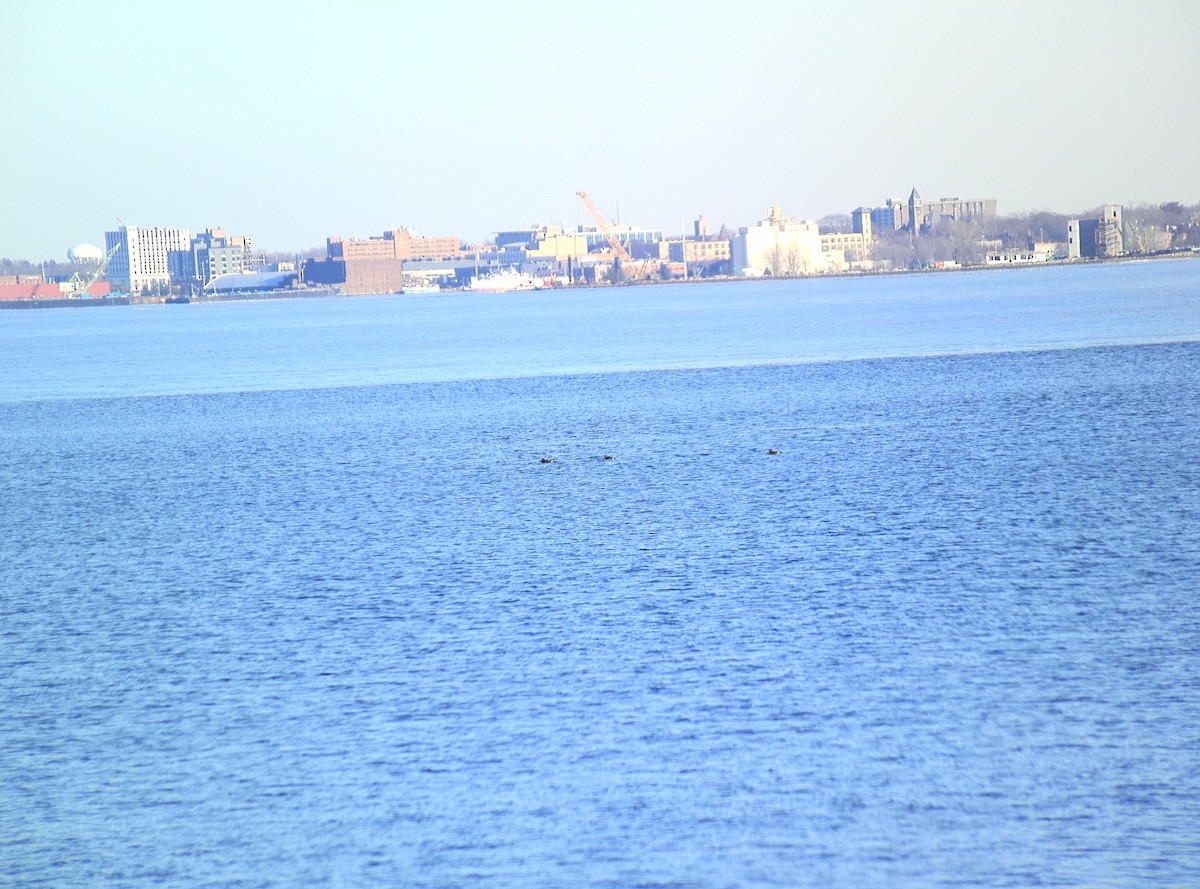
(329,293)
(891,273)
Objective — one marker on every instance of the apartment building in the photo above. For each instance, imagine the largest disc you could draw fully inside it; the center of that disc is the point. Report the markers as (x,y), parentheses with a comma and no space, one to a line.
(147,258)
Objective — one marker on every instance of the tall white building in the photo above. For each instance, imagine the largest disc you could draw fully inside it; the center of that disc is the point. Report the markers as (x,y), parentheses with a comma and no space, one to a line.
(146,258)
(779,245)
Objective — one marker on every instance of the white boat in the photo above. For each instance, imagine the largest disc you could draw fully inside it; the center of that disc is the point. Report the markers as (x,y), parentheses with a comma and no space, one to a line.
(505,281)
(414,289)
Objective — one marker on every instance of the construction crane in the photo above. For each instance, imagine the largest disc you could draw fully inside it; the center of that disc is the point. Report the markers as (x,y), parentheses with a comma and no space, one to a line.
(605,228)
(78,287)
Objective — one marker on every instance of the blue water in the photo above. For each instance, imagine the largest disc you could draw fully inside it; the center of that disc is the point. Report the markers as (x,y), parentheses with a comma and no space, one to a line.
(310,611)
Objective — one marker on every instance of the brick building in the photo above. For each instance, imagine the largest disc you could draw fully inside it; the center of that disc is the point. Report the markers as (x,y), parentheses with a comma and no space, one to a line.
(375,265)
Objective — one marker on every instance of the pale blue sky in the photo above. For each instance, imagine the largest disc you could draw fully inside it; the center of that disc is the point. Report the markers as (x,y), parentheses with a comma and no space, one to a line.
(291,121)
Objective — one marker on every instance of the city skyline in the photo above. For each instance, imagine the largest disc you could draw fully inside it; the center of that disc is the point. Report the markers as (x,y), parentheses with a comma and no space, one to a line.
(293,123)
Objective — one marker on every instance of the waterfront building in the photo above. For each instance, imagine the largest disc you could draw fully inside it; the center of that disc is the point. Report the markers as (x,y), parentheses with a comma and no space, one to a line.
(694,257)
(27,287)
(260,281)
(779,245)
(147,258)
(1110,237)
(356,275)
(1102,237)
(852,246)
(376,264)
(694,252)
(358,272)
(358,265)
(1075,240)
(446,272)
(545,242)
(1016,257)
(215,253)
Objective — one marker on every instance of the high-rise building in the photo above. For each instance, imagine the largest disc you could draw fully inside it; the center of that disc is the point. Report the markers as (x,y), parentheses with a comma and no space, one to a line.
(926,214)
(915,214)
(215,253)
(1110,238)
(1101,237)
(147,258)
(892,216)
(860,218)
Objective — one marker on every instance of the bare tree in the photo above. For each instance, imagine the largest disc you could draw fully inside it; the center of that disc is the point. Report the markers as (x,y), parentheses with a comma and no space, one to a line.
(785,261)
(775,260)
(1146,237)
(793,265)
(839,223)
(50,268)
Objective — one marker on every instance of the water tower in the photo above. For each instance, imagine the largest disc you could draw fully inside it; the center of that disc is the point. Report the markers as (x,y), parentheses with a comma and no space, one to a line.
(86,253)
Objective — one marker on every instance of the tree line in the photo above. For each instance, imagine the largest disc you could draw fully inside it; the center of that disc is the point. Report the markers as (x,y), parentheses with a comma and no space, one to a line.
(1149,228)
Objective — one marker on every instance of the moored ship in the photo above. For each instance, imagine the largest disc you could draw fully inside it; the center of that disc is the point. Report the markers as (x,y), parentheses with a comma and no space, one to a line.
(505,281)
